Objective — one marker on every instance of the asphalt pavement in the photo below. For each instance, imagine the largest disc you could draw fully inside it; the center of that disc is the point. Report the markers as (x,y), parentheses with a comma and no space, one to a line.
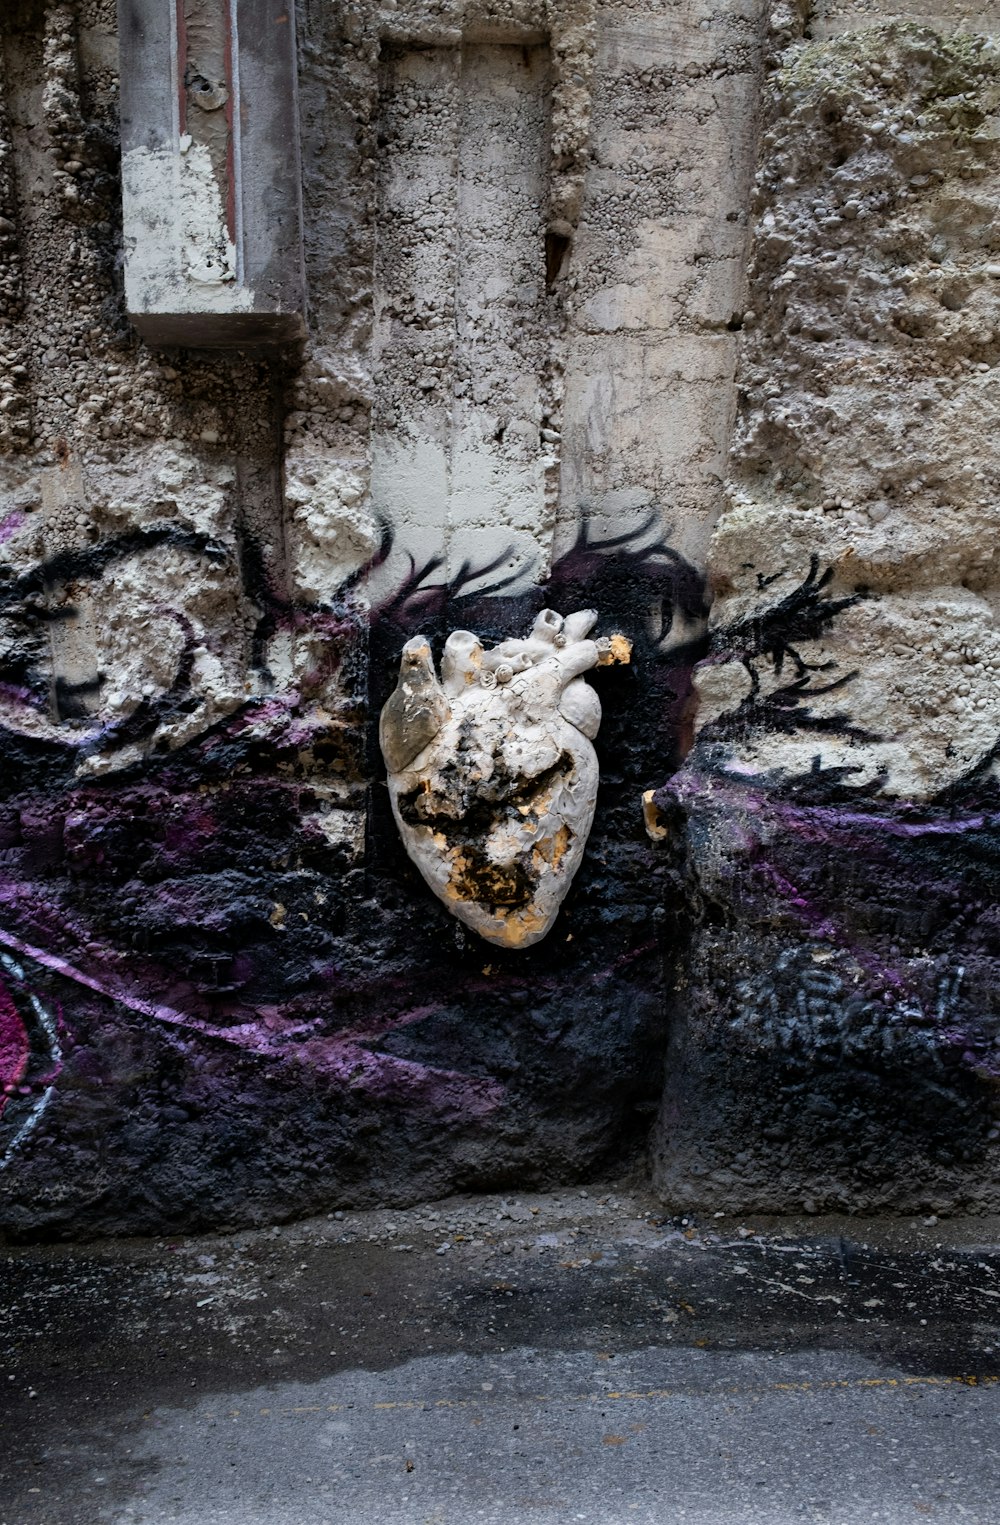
(525,1360)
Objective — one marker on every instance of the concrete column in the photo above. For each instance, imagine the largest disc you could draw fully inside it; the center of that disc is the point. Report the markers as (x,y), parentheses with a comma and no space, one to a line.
(658,269)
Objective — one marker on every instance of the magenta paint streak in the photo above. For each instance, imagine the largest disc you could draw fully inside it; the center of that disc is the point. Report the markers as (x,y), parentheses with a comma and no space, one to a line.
(14,1046)
(748,811)
(10,524)
(342,1057)
(812,821)
(16,693)
(886,980)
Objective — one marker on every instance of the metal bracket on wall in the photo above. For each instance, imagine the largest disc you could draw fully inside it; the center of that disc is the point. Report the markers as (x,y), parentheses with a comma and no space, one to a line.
(211,182)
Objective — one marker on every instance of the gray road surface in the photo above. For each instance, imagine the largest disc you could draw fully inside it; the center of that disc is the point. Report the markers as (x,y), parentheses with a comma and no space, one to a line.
(537,1360)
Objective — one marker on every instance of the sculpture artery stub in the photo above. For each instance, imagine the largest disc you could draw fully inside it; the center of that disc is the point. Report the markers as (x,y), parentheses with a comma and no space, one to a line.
(492,774)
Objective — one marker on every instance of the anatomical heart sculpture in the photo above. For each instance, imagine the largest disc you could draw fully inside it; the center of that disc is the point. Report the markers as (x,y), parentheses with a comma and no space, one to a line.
(492,775)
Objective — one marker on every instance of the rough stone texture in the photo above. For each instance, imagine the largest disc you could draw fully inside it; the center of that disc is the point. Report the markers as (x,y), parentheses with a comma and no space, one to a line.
(659,265)
(212,931)
(839,1034)
(227,993)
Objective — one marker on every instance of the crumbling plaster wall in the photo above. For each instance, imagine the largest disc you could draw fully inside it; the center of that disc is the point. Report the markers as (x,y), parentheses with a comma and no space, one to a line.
(840,1036)
(227,995)
(540,360)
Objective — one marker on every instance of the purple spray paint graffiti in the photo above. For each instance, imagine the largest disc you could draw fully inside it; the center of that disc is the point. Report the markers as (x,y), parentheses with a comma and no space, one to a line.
(258,1020)
(839,1043)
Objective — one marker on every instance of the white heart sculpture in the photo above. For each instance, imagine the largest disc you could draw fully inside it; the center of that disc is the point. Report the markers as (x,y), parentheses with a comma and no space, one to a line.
(492,775)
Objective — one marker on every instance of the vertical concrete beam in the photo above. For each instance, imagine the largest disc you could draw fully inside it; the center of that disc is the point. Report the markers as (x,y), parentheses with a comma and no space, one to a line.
(462,335)
(658,267)
(211,186)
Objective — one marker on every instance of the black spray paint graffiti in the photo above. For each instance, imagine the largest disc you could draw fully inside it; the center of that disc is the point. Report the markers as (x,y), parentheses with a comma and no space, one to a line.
(841,1020)
(638,583)
(199,897)
(31,605)
(773,637)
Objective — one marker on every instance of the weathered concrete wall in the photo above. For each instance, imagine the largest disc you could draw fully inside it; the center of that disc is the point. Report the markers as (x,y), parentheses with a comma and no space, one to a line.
(554,327)
(838,1041)
(229,995)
